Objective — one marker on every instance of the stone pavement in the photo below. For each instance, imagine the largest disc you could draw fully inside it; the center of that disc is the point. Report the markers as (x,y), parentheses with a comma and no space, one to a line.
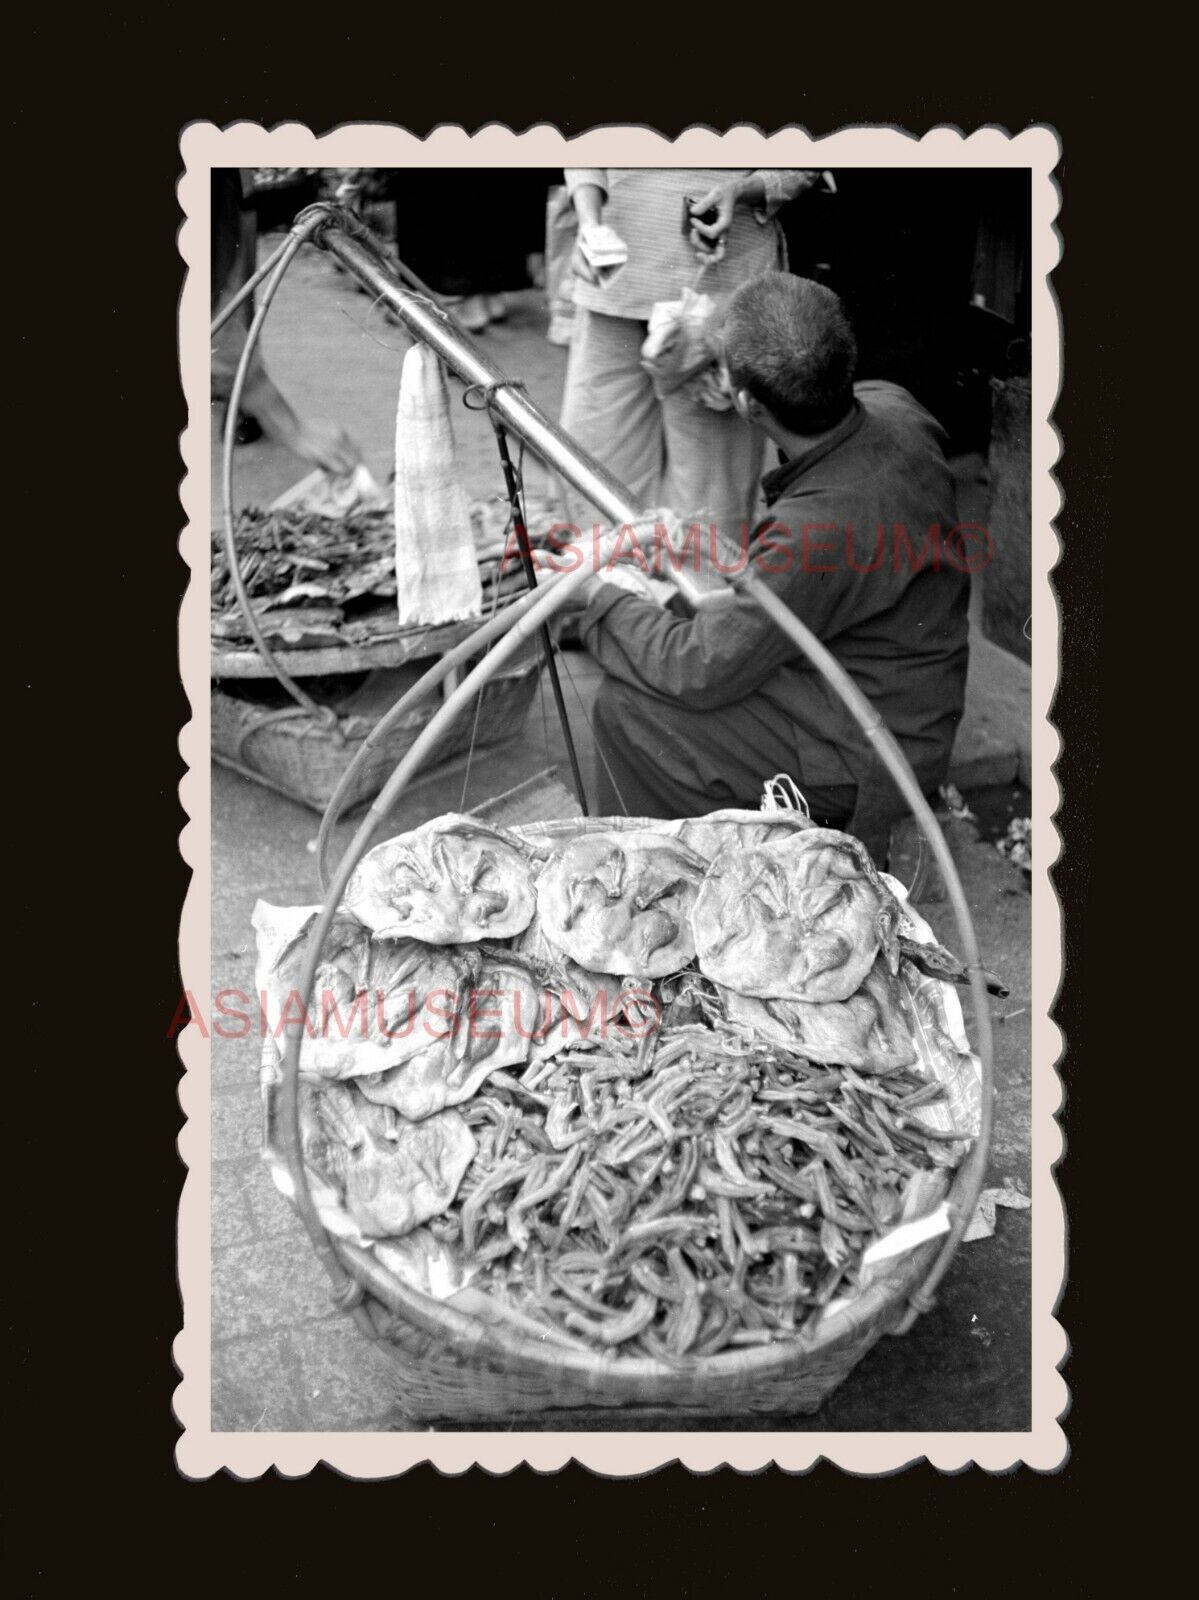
(283,1358)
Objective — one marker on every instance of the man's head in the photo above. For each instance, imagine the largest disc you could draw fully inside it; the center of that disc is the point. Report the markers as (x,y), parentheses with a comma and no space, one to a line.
(788,346)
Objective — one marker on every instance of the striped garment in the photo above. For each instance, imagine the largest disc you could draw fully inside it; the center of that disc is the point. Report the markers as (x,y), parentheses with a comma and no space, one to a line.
(645,207)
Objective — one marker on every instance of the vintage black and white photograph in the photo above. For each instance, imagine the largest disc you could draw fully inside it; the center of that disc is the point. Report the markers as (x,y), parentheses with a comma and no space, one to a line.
(620,1016)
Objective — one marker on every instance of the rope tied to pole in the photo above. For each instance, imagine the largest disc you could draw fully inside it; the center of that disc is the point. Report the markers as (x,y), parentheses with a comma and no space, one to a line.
(488,392)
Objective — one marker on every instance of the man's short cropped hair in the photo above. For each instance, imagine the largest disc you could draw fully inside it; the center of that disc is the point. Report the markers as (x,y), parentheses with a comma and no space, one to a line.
(788,342)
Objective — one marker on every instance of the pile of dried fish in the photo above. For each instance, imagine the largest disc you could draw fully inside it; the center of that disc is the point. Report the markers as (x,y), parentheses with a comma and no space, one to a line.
(324,580)
(715,1192)
(294,554)
(670,1088)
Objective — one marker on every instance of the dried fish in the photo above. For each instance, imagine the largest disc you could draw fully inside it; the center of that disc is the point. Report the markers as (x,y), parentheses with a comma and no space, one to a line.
(705,1188)
(617,1329)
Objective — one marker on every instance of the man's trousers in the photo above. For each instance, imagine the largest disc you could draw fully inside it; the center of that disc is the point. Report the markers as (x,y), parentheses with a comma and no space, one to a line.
(664,760)
(667,452)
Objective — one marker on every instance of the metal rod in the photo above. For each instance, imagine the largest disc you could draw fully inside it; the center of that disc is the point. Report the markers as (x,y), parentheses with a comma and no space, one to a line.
(436,328)
(221,316)
(547,644)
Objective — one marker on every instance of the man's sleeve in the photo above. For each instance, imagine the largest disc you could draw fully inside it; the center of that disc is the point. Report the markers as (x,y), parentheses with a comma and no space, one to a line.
(579,177)
(781,184)
(717,657)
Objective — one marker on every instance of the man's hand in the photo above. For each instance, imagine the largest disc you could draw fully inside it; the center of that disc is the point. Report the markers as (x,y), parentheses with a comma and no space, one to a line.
(633,582)
(324,444)
(708,237)
(327,446)
(626,572)
(599,253)
(627,579)
(580,265)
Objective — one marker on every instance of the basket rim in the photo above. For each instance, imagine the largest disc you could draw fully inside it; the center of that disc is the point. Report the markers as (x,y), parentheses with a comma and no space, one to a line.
(464,1332)
(466,1335)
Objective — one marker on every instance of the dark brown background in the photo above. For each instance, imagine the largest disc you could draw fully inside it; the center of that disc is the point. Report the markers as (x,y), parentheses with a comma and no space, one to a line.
(97,683)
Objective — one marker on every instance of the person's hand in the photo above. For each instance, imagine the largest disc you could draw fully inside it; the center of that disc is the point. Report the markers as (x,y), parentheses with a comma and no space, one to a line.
(599,253)
(584,556)
(327,446)
(579,597)
(708,237)
(580,265)
(627,570)
(630,579)
(350,186)
(627,579)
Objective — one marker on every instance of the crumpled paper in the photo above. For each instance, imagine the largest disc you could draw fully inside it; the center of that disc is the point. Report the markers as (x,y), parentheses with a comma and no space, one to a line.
(329,496)
(682,349)
(982,1223)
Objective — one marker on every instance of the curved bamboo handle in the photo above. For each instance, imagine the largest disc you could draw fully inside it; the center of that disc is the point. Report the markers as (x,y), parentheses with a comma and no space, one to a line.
(301,232)
(970,1176)
(550,597)
(420,690)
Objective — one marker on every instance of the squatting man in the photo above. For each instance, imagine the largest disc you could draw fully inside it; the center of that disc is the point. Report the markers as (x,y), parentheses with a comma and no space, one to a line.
(698,710)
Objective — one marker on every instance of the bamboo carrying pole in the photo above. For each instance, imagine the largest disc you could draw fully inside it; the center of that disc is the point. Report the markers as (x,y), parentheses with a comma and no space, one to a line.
(343,236)
(432,324)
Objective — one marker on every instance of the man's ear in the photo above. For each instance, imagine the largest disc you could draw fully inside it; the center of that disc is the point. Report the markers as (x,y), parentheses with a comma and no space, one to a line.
(751,409)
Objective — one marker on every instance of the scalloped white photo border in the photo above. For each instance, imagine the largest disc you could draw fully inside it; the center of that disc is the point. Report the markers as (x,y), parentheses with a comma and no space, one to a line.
(201,1452)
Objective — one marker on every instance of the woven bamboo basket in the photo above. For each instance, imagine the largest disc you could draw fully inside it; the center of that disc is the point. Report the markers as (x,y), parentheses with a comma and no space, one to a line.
(452,1366)
(307,757)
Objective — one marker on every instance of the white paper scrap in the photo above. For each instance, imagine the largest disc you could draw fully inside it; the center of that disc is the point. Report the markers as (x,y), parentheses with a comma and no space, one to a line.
(982,1223)
(907,1236)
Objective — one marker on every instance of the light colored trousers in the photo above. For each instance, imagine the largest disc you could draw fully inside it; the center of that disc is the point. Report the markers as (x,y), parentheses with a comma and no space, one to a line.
(668,452)
(561,232)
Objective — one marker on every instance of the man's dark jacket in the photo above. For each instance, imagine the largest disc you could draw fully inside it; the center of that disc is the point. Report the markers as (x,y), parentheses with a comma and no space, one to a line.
(863,546)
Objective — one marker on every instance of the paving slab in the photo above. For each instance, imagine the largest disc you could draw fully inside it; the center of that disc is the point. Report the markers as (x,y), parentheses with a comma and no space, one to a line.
(348,1385)
(237,1119)
(994,741)
(232,1220)
(267,1285)
(257,1387)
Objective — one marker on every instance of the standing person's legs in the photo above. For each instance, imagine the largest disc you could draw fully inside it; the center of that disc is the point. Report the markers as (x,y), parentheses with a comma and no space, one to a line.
(234,239)
(713,463)
(610,407)
(234,258)
(657,759)
(561,231)
(235,250)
